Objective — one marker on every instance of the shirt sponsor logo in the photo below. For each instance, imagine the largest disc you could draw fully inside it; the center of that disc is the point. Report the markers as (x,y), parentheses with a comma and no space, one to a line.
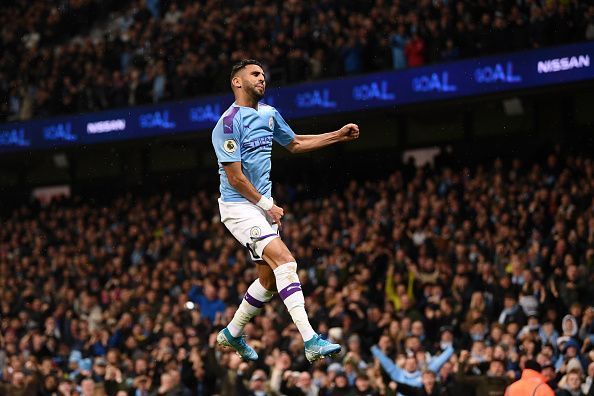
(258,142)
(378,90)
(106,126)
(562,64)
(315,98)
(59,132)
(14,137)
(499,72)
(434,82)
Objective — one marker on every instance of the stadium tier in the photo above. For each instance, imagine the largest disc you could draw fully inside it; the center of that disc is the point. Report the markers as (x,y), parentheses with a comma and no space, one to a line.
(494,261)
(76,56)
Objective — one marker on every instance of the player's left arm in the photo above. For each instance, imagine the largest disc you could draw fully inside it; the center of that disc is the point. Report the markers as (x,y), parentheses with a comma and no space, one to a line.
(284,135)
(305,143)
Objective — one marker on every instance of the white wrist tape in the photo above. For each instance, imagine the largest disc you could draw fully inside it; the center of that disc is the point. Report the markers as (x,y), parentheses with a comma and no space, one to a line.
(265,203)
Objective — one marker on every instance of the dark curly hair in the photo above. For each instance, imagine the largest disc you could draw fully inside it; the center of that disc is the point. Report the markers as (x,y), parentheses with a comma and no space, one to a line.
(243,63)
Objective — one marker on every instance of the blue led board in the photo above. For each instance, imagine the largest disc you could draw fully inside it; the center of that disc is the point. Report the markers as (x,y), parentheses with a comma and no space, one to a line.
(473,77)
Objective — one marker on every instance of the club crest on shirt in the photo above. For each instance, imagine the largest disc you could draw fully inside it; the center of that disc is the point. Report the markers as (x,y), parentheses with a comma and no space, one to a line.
(255,232)
(271,122)
(229,145)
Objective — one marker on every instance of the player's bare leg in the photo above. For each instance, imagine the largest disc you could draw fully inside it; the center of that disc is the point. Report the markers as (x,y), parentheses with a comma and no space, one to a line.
(259,292)
(284,267)
(266,276)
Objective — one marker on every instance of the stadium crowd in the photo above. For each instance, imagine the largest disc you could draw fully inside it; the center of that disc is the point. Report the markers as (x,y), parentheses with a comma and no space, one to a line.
(434,279)
(155,50)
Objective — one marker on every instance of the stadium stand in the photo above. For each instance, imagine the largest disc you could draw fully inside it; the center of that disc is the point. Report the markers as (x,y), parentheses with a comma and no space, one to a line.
(491,264)
(53,62)
(445,279)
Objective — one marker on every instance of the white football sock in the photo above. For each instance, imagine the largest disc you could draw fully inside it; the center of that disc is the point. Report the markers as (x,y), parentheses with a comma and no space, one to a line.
(289,289)
(250,306)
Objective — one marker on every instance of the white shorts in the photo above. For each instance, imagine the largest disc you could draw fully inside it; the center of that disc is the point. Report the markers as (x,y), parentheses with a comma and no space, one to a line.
(250,225)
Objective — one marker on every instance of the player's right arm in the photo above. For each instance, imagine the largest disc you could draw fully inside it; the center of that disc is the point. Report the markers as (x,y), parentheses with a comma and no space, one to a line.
(242,185)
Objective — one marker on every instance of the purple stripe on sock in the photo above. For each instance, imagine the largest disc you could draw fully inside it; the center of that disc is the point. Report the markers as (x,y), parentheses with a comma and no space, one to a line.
(287,291)
(253,301)
(228,120)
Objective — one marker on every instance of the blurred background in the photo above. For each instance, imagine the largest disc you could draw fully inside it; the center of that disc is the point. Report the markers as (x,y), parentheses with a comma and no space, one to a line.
(459,226)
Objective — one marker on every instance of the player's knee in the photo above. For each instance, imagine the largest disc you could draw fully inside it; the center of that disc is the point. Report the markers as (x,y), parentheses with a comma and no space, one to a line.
(269,283)
(286,258)
(278,253)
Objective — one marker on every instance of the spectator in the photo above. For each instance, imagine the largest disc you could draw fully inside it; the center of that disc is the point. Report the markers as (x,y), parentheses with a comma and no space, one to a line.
(414,51)
(351,54)
(531,383)
(257,384)
(589,22)
(587,387)
(429,386)
(573,385)
(21,384)
(572,288)
(209,303)
(512,311)
(398,43)
(411,375)
(492,382)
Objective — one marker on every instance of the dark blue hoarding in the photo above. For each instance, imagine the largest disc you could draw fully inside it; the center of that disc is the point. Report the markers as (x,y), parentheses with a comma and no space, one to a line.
(531,69)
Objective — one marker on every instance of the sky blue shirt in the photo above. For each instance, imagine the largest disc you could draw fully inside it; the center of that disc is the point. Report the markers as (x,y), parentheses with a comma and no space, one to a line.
(245,135)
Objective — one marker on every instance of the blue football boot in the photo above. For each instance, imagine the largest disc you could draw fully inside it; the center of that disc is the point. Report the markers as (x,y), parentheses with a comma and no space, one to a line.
(224,338)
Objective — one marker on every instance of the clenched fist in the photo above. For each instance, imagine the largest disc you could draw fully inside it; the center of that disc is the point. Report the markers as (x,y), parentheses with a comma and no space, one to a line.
(349,132)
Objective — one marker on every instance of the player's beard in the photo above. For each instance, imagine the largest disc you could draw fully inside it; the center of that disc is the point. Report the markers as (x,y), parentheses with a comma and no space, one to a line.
(254,93)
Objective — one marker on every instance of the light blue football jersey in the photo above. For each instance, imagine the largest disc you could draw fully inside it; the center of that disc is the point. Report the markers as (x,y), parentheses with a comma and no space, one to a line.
(245,135)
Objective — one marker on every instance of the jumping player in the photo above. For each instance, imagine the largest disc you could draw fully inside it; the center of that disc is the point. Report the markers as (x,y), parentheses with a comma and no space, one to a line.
(242,141)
